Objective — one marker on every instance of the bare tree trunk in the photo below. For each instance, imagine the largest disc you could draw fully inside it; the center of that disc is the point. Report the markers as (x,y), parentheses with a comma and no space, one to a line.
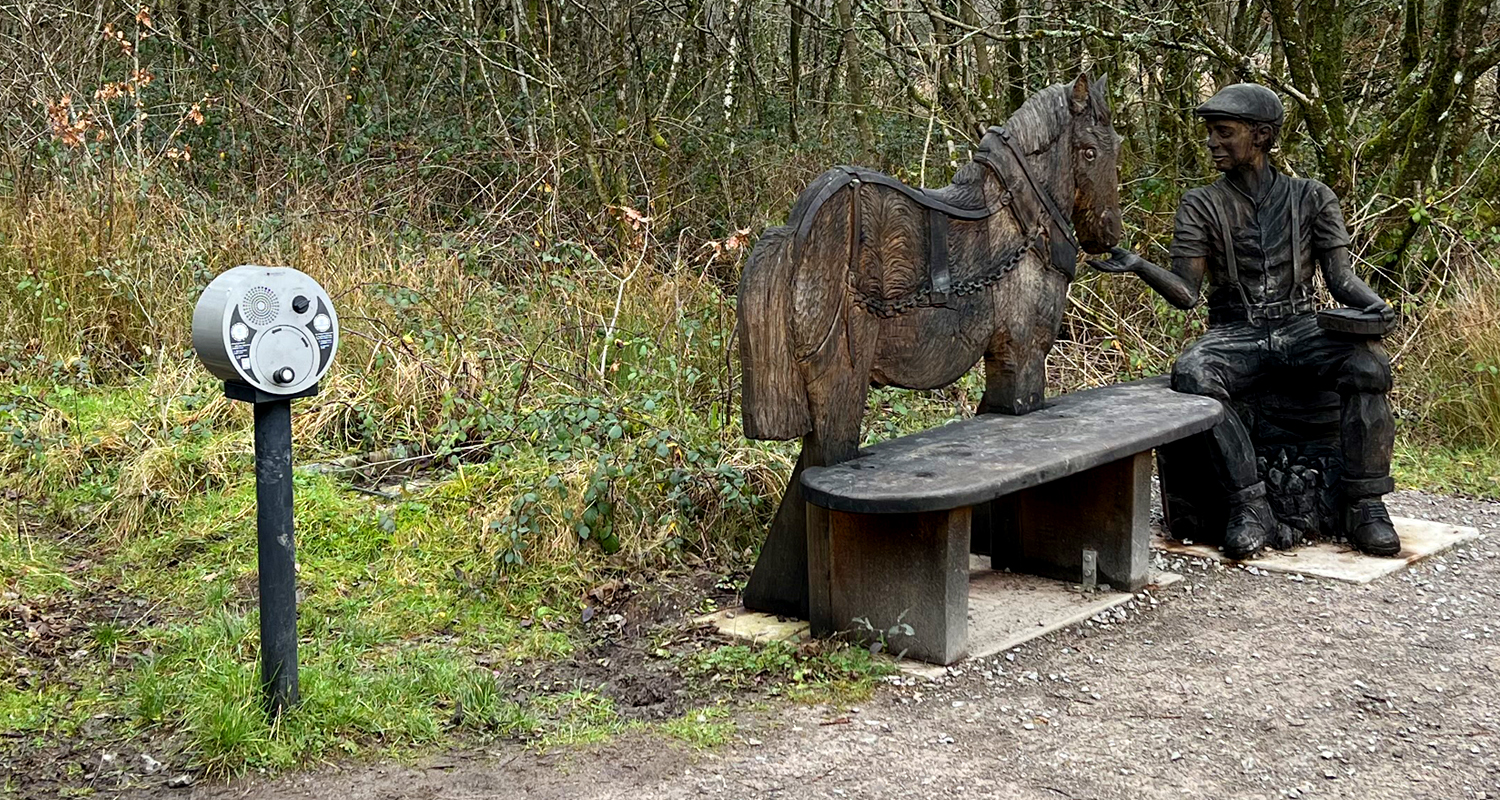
(854,81)
(950,95)
(983,64)
(794,69)
(1015,76)
(1326,123)
(521,71)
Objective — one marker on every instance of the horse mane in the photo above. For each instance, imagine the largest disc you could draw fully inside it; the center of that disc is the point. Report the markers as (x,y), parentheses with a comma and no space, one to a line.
(1034,127)
(1041,119)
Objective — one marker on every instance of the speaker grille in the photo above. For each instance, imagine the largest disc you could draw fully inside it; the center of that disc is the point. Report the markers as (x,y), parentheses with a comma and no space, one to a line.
(260,306)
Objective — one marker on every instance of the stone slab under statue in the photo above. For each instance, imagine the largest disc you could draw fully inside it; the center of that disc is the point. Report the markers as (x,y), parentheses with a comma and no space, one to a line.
(1420,540)
(1006,609)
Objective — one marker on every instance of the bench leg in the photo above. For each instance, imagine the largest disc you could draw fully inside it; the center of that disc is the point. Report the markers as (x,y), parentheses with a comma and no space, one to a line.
(819,611)
(1044,530)
(894,569)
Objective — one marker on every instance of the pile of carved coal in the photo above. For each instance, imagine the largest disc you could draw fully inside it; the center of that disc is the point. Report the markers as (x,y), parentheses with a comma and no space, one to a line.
(1302,484)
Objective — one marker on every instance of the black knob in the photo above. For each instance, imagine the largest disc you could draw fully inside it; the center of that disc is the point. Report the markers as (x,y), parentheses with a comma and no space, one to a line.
(300,304)
(284,376)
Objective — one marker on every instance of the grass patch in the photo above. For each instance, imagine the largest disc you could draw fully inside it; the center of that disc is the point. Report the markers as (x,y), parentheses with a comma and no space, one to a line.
(820,672)
(577,717)
(705,727)
(205,682)
(1473,471)
(32,565)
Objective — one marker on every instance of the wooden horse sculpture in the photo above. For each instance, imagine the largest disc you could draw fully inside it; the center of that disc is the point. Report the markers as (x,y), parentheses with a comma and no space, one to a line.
(872,282)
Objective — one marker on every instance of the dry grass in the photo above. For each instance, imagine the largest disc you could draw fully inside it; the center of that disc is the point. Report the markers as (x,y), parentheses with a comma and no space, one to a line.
(1449,375)
(483,343)
(456,346)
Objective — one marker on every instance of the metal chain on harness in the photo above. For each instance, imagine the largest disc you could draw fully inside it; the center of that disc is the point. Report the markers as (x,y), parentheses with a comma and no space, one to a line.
(922,298)
(939,286)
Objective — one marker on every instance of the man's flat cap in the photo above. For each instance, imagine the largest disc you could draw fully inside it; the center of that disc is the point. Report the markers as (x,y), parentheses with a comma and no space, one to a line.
(1250,102)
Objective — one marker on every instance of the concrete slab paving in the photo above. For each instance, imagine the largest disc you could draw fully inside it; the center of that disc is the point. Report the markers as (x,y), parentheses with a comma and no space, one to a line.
(1005,610)
(1420,539)
(755,627)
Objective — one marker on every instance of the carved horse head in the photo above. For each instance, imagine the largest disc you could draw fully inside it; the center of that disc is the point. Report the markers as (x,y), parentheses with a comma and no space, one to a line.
(1094,147)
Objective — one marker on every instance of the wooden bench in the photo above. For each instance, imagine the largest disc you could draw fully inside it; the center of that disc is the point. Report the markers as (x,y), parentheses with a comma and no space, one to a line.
(889,533)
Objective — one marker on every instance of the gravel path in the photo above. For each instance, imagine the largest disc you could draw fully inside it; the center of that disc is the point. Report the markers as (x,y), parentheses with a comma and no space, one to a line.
(1228,684)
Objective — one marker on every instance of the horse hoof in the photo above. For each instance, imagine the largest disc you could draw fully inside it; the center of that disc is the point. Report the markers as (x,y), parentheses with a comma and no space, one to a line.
(1016,407)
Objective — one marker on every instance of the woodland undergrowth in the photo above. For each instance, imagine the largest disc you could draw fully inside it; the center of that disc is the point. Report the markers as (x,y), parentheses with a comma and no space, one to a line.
(532,218)
(553,398)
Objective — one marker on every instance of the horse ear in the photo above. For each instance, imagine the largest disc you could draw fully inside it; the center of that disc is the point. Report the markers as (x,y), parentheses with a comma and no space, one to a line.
(1080,99)
(1100,95)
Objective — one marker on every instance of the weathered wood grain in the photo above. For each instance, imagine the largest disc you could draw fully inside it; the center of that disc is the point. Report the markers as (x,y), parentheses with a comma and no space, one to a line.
(976,460)
(871,282)
(1044,530)
(891,570)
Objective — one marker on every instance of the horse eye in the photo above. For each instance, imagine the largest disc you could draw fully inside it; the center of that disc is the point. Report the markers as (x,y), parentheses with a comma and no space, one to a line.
(1090,153)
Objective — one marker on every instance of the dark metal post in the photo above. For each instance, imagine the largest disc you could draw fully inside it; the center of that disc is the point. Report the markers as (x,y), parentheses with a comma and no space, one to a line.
(277,557)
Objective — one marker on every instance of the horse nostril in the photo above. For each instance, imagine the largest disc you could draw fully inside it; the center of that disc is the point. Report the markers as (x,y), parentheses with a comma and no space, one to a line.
(1113,225)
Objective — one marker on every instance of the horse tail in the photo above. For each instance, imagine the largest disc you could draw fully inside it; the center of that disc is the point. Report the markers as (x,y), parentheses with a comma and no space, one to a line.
(774,403)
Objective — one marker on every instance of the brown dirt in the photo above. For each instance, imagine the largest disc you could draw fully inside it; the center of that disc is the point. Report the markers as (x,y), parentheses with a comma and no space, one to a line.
(40,637)
(1229,684)
(629,621)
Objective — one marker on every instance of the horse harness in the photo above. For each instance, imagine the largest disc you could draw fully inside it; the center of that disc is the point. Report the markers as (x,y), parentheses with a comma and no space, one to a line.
(1054,229)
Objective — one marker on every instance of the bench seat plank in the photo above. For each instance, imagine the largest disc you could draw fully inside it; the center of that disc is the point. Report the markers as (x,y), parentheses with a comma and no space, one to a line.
(977,460)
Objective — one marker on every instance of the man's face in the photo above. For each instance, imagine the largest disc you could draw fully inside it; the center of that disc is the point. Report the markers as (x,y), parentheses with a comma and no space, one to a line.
(1231,143)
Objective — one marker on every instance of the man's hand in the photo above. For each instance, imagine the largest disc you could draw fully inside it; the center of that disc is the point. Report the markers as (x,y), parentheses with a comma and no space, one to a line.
(1120,261)
(1384,309)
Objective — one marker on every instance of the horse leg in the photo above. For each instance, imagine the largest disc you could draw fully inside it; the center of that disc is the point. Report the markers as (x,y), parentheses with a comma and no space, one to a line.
(1015,370)
(1015,380)
(791,575)
(835,348)
(837,394)
(1028,315)
(778,584)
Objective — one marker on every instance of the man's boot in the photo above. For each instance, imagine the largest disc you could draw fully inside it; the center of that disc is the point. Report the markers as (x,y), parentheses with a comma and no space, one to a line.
(1369,432)
(1366,521)
(1250,522)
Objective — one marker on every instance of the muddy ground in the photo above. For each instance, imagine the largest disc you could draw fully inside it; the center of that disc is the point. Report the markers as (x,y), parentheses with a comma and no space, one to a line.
(1228,684)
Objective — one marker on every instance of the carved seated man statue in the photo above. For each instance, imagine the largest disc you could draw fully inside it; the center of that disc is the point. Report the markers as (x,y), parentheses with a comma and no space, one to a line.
(1258,236)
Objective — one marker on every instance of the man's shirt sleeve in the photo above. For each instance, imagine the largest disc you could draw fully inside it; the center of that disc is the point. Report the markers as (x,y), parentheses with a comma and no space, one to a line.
(1328,230)
(1192,228)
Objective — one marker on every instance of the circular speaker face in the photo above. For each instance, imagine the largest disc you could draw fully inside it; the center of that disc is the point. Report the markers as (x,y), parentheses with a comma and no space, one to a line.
(260,306)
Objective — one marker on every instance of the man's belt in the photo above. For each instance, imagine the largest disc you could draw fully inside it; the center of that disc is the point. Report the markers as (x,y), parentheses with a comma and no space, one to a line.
(1260,312)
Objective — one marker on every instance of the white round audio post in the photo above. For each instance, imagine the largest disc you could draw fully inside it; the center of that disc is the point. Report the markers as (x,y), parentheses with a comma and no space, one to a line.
(270,334)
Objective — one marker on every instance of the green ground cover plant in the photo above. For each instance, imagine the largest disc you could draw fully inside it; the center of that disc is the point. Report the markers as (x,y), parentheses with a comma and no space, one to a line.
(543,436)
(532,218)
(524,462)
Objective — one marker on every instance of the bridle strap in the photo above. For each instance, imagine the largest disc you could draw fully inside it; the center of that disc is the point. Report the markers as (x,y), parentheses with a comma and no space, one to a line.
(1063,225)
(922,197)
